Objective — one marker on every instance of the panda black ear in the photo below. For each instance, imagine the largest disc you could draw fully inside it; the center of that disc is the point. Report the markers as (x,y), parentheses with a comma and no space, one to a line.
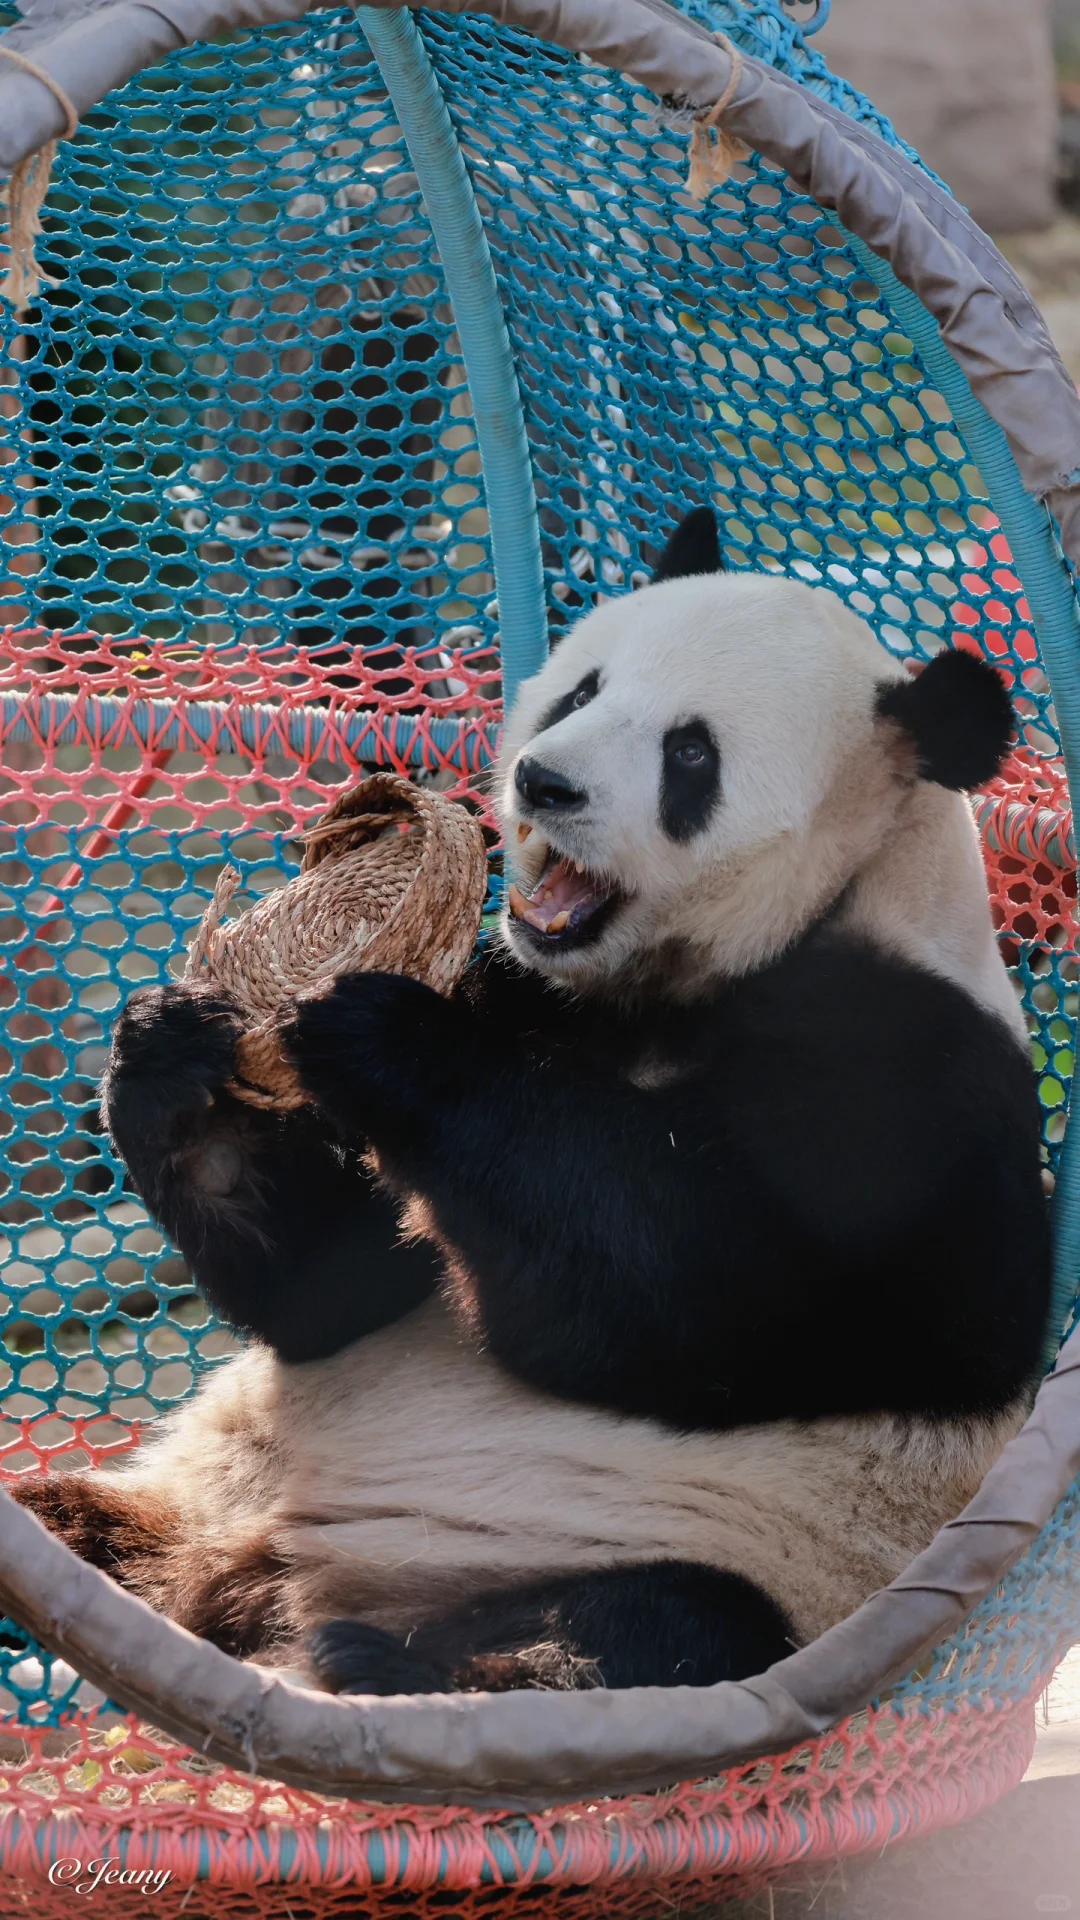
(959,716)
(693,548)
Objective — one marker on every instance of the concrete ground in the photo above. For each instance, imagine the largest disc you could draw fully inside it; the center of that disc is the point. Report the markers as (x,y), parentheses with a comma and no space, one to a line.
(1049,265)
(1021,1858)
(1057,1727)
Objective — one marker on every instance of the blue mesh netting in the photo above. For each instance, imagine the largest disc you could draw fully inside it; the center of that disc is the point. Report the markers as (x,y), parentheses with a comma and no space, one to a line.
(239,432)
(246,389)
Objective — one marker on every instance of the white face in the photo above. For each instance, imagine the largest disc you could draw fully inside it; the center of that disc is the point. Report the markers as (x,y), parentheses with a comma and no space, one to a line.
(673,744)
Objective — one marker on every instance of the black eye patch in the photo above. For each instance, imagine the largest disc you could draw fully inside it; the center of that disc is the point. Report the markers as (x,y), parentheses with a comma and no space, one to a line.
(579,696)
(690,780)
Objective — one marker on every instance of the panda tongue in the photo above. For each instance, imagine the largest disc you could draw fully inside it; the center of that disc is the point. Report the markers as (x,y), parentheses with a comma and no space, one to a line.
(559,891)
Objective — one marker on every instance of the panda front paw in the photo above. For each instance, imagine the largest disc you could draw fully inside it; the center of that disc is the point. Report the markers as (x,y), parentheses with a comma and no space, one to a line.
(172,1052)
(377,1050)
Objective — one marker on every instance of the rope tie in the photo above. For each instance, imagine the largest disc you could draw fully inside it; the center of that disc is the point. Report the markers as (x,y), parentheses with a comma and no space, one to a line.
(25,192)
(713,150)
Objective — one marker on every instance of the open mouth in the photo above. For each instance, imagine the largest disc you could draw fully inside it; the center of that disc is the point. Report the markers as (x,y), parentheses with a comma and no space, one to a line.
(567,906)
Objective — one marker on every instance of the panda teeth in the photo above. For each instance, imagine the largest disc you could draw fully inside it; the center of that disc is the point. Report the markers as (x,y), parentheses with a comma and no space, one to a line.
(523,832)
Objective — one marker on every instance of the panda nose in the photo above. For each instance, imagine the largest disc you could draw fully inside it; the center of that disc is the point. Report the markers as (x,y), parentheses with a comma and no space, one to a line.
(541,787)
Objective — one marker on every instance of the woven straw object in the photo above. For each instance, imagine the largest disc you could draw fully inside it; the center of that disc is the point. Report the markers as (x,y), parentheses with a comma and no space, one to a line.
(392,881)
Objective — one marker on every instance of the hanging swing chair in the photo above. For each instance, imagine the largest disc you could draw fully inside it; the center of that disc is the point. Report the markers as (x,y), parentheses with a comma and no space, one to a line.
(350,358)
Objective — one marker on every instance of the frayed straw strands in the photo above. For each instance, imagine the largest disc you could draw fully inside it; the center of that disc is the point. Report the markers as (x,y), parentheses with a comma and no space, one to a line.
(392,881)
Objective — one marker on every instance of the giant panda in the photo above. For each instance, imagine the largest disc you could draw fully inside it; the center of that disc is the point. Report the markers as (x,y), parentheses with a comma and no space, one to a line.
(631,1315)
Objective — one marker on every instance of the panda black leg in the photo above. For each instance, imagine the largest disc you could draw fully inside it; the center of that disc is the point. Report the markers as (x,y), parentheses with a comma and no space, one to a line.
(668,1624)
(286,1231)
(347,1656)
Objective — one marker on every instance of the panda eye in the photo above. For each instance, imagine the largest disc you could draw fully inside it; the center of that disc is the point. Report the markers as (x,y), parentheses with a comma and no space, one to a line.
(690,779)
(571,701)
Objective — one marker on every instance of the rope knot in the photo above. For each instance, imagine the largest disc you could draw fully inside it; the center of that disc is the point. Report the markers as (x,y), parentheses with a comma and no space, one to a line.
(25,192)
(713,150)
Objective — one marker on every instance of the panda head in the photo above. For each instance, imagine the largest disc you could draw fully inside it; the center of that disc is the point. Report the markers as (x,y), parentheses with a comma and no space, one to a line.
(702,768)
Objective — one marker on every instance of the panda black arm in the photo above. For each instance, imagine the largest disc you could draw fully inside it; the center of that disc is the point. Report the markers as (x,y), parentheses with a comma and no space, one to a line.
(558,1188)
(513,1000)
(841,1213)
(287,1234)
(902,1140)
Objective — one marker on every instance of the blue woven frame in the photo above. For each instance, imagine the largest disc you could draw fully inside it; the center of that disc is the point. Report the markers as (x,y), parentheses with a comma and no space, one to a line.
(485,345)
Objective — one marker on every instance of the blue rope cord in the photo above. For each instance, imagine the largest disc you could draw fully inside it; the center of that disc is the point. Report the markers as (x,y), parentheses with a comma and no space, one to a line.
(1047,583)
(520,1852)
(308,732)
(470,278)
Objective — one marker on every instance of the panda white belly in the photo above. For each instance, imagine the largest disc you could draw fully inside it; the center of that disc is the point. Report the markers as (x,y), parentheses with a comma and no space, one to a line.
(409,1471)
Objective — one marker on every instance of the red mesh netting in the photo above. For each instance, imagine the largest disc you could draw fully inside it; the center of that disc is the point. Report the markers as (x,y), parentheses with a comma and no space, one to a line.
(130,1795)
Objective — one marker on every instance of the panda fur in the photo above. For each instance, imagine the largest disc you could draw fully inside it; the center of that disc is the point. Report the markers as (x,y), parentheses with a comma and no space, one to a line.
(726,1262)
